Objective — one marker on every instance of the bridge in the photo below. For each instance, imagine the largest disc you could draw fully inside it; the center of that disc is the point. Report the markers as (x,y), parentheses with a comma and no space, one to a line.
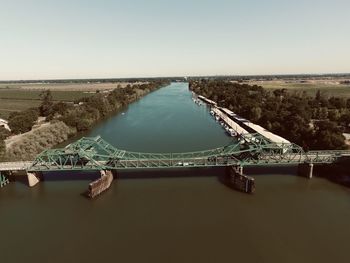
(253,149)
(95,154)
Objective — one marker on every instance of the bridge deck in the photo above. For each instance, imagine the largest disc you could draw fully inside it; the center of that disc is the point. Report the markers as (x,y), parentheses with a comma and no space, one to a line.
(15,166)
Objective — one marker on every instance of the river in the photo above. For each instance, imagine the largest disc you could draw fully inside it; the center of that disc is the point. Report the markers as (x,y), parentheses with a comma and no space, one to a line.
(175,216)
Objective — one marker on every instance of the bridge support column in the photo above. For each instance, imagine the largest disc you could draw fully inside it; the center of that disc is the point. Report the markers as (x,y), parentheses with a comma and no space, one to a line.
(306,170)
(33,178)
(11,176)
(240,181)
(3,180)
(101,184)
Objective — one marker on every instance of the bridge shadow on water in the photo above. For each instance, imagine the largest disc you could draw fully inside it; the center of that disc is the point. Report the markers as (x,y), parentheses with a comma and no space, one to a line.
(337,173)
(168,173)
(271,170)
(136,174)
(203,172)
(219,172)
(70,176)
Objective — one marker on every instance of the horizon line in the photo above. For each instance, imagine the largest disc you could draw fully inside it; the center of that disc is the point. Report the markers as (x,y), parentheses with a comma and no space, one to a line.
(180,76)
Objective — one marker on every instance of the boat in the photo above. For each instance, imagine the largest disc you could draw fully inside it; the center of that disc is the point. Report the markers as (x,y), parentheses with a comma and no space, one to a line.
(232,132)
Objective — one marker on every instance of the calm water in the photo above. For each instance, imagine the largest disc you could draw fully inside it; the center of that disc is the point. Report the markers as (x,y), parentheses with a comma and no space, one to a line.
(188,217)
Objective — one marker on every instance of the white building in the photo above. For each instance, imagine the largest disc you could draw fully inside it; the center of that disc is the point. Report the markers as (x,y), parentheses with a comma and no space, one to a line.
(5,124)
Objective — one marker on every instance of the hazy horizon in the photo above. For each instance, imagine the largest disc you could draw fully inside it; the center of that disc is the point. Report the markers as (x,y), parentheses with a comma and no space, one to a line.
(158,38)
(174,76)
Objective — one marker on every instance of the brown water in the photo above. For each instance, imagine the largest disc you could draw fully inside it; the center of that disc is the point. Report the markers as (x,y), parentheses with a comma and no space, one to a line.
(177,216)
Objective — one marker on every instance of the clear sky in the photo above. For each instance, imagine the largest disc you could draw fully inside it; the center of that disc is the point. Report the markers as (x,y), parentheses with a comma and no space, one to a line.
(46,39)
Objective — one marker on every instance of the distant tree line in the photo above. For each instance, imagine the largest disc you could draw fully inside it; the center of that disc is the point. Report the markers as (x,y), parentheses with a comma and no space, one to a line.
(289,77)
(311,122)
(89,81)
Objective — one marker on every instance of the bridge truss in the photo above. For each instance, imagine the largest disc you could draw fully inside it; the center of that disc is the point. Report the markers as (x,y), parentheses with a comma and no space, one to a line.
(253,149)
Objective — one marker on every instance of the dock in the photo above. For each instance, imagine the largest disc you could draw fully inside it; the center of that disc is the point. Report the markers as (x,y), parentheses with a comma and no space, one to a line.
(229,122)
(208,101)
(243,126)
(248,125)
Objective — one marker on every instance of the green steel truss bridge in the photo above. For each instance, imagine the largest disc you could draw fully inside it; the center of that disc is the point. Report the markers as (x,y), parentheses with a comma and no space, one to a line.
(89,154)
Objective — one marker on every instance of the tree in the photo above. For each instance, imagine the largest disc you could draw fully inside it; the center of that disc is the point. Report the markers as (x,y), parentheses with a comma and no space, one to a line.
(322,113)
(337,103)
(318,96)
(23,121)
(47,103)
(333,115)
(4,133)
(2,149)
(328,136)
(345,119)
(255,113)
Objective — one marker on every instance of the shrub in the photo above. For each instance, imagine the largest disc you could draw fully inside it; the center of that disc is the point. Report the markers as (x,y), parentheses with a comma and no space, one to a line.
(34,142)
(23,121)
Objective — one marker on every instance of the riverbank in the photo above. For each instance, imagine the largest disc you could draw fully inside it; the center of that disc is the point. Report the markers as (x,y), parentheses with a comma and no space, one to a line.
(66,120)
(314,123)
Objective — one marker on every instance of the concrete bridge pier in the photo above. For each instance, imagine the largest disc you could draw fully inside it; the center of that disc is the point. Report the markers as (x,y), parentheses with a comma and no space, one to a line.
(240,181)
(101,184)
(34,178)
(306,170)
(11,176)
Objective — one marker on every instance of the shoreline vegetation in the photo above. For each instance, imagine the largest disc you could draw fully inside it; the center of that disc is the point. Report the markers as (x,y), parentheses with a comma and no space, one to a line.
(52,123)
(313,122)
(16,97)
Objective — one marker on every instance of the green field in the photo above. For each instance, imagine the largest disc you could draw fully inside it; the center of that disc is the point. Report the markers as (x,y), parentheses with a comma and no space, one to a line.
(327,90)
(15,99)
(21,94)
(8,106)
